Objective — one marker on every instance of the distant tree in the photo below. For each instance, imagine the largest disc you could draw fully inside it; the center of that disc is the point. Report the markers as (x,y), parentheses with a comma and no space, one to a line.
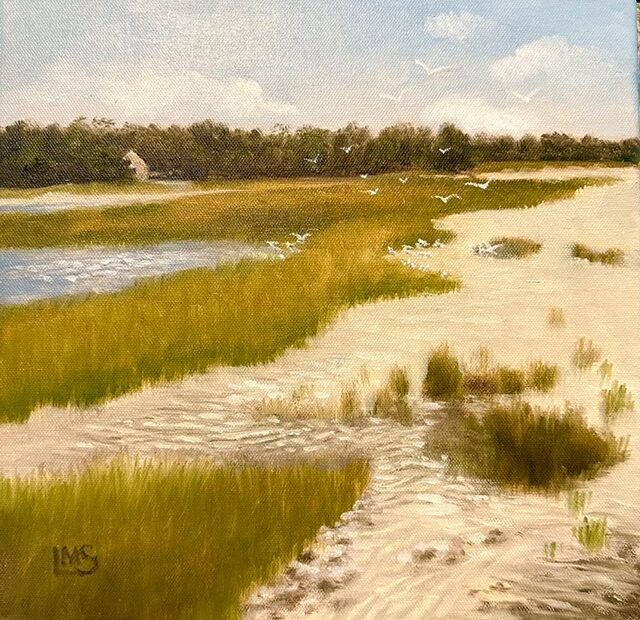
(458,157)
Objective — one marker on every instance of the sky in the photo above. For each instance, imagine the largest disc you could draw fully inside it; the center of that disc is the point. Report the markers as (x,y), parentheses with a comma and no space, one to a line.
(296,62)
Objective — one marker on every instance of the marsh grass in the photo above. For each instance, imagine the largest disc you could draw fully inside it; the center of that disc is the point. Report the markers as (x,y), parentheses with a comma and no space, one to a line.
(391,400)
(498,166)
(82,350)
(605,370)
(448,379)
(592,534)
(524,448)
(550,550)
(542,377)
(443,380)
(515,247)
(173,540)
(615,401)
(555,317)
(577,501)
(612,256)
(585,354)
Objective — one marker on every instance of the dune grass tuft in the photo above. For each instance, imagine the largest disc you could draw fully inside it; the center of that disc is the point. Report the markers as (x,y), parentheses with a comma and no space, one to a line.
(173,540)
(522,447)
(612,256)
(555,317)
(615,401)
(585,354)
(592,534)
(515,247)
(577,501)
(542,377)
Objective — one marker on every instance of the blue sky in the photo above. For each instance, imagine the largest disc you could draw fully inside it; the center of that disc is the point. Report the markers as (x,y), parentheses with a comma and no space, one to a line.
(254,63)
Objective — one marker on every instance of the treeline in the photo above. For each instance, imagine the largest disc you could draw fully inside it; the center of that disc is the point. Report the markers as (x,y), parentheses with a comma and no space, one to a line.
(33,155)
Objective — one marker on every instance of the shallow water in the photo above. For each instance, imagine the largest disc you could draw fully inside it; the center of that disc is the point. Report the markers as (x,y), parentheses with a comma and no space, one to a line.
(412,501)
(26,275)
(61,201)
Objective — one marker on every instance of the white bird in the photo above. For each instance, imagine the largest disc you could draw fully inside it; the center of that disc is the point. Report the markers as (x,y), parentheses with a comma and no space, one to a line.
(346,149)
(313,161)
(301,238)
(391,251)
(403,181)
(491,249)
(407,248)
(484,185)
(421,243)
(438,244)
(445,151)
(364,176)
(273,245)
(525,98)
(397,98)
(371,192)
(292,247)
(434,70)
(446,199)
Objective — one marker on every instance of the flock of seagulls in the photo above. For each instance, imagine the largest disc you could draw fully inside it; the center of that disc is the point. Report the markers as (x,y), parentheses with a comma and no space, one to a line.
(293,248)
(418,249)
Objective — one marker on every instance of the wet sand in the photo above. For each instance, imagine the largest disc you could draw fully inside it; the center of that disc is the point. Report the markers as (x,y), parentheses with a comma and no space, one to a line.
(412,504)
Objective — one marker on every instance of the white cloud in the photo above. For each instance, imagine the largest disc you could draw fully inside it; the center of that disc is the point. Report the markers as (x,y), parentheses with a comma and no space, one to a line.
(552,57)
(141,94)
(476,114)
(454,26)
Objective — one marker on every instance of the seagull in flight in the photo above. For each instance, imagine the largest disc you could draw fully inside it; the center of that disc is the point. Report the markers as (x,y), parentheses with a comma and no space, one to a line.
(301,238)
(484,185)
(292,247)
(274,245)
(403,181)
(446,199)
(391,251)
(397,98)
(371,192)
(313,161)
(364,176)
(445,151)
(525,98)
(346,149)
(434,70)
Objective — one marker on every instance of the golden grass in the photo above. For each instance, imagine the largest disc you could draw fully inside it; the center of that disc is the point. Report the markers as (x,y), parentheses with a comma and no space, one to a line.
(173,540)
(556,318)
(615,401)
(585,354)
(515,247)
(83,350)
(498,166)
(525,448)
(611,257)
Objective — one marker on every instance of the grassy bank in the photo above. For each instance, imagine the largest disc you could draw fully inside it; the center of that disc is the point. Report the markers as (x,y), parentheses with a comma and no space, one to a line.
(611,256)
(172,540)
(82,350)
(499,166)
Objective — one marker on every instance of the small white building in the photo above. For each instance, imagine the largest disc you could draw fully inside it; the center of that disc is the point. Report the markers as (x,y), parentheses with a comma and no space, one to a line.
(138,165)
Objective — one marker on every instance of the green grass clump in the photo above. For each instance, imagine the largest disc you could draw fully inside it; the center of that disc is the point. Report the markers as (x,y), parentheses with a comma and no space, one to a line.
(555,317)
(392,400)
(511,380)
(542,377)
(443,380)
(350,409)
(181,540)
(612,256)
(585,354)
(82,350)
(577,501)
(615,401)
(515,247)
(520,447)
(592,534)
